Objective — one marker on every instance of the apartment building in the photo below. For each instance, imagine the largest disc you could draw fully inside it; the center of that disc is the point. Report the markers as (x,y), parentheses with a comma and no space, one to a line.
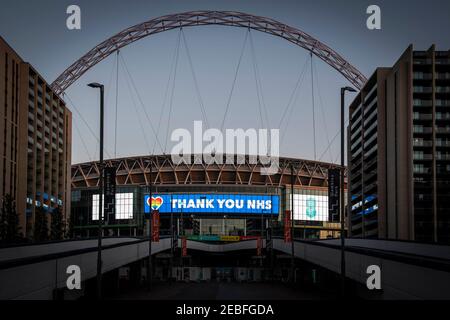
(399,151)
(35,141)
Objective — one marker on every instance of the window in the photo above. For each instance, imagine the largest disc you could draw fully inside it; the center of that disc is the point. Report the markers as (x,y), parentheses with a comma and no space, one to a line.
(310,207)
(124,206)
(95,205)
(76,196)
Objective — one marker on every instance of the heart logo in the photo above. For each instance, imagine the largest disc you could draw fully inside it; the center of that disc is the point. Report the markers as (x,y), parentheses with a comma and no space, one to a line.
(156,203)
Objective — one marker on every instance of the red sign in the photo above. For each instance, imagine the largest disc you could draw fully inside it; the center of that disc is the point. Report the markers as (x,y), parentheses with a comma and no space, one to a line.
(259,244)
(287,227)
(244,238)
(155,226)
(184,246)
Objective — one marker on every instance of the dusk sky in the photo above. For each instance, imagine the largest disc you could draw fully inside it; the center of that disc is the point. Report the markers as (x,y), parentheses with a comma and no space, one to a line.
(37,31)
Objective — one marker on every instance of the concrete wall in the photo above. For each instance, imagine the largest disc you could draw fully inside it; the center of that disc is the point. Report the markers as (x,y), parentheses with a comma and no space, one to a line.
(400,278)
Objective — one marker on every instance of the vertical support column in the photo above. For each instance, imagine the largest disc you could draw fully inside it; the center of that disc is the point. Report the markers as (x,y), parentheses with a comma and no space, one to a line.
(434,168)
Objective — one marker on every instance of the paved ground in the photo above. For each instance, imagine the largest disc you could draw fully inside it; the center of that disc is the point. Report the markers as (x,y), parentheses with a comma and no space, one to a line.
(221,291)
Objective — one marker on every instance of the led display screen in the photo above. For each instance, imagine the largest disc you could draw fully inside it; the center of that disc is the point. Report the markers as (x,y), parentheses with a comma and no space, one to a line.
(213,203)
(310,207)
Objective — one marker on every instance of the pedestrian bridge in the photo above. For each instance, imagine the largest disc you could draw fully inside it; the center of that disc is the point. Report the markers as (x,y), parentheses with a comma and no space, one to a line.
(408,270)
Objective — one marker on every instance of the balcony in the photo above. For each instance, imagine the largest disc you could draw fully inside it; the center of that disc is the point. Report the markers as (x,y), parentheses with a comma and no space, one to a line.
(371,118)
(370,175)
(421,170)
(356,186)
(370,163)
(356,176)
(422,103)
(442,116)
(355,163)
(422,61)
(357,153)
(443,89)
(356,143)
(371,151)
(368,131)
(355,123)
(443,129)
(422,143)
(370,188)
(418,89)
(442,103)
(442,61)
(443,76)
(420,129)
(443,156)
(422,156)
(422,76)
(442,143)
(370,141)
(422,116)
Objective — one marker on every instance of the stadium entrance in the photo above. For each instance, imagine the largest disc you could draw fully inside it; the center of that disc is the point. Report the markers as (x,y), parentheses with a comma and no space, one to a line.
(213,217)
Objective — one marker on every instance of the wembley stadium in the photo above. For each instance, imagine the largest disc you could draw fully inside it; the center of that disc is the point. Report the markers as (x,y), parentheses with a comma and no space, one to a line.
(213,202)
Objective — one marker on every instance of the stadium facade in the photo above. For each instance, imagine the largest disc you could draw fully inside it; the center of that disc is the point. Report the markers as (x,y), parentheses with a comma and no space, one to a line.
(211,201)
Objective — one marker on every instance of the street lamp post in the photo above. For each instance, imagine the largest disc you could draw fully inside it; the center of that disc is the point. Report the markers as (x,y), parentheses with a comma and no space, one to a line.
(172,249)
(181,236)
(342,207)
(100,206)
(150,220)
(292,225)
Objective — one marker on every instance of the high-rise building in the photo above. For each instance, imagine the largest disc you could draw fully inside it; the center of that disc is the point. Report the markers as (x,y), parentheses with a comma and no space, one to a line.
(399,151)
(35,141)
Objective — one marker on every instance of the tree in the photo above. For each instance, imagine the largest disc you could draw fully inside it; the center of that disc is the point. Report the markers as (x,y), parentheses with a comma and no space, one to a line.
(57,225)
(40,225)
(9,221)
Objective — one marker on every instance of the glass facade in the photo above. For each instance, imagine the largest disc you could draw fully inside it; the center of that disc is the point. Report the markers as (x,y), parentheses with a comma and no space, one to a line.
(310,208)
(124,206)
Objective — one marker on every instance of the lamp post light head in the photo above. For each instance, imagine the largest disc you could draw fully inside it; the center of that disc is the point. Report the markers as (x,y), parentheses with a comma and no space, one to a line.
(95,85)
(349,89)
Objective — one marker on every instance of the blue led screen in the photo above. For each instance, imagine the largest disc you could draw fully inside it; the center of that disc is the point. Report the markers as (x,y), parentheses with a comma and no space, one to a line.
(214,203)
